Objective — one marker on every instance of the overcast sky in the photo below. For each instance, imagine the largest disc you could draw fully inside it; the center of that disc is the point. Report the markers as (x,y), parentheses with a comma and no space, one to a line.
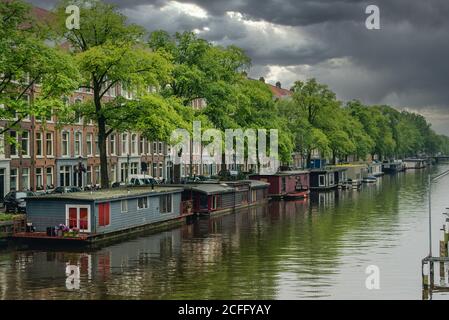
(404,64)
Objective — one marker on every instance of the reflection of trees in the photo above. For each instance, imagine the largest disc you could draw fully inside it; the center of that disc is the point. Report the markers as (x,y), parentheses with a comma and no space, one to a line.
(244,255)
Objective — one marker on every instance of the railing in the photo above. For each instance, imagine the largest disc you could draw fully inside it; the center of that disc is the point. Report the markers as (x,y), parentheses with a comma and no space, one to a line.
(54,226)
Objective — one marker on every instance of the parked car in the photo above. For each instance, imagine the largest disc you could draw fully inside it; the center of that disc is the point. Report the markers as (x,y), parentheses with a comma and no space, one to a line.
(15,201)
(66,190)
(142,180)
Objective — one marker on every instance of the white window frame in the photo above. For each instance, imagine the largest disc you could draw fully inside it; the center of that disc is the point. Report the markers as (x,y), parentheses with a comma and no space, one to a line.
(79,152)
(78,207)
(68,143)
(146,202)
(90,139)
(52,153)
(124,206)
(319,180)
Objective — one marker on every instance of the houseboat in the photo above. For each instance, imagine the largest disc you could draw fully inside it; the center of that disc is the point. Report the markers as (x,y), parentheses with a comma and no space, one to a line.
(415,163)
(325,179)
(89,217)
(287,185)
(375,169)
(354,175)
(392,167)
(224,197)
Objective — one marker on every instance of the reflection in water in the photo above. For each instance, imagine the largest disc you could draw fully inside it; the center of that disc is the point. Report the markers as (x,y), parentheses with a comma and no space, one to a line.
(319,248)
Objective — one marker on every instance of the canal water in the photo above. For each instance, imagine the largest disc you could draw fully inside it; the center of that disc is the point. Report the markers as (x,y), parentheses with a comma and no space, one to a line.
(320,248)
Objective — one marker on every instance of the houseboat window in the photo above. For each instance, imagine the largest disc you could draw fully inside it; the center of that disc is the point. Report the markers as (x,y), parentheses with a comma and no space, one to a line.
(284,187)
(142,203)
(331,178)
(165,203)
(104,214)
(216,202)
(78,216)
(124,205)
(322,180)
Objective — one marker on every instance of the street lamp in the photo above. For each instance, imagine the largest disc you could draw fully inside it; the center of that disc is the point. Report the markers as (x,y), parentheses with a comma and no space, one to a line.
(430,180)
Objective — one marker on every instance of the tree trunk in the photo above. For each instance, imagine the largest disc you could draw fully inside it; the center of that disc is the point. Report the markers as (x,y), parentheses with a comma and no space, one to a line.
(101,122)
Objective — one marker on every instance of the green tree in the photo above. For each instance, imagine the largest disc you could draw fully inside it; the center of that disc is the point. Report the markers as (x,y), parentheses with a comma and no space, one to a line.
(26,63)
(108,52)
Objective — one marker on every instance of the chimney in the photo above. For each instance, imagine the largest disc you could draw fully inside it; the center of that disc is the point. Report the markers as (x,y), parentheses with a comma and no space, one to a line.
(278,84)
(262,79)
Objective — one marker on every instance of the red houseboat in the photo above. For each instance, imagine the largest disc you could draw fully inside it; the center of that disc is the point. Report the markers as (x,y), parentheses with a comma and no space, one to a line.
(286,184)
(223,197)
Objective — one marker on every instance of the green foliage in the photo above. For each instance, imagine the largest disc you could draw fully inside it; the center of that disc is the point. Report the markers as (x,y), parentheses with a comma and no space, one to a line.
(27,60)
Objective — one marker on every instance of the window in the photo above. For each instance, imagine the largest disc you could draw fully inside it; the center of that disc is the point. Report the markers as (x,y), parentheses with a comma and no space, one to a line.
(49,178)
(331,179)
(13,135)
(155,147)
(97,175)
(89,142)
(89,175)
(142,203)
(25,145)
(104,214)
(154,170)
(123,172)
(13,178)
(49,144)
(124,206)
(65,144)
(25,182)
(78,216)
(165,203)
(134,168)
(161,170)
(64,175)
(134,144)
(113,173)
(142,145)
(125,149)
(160,148)
(97,145)
(2,145)
(322,180)
(112,144)
(78,144)
(216,202)
(39,151)
(39,179)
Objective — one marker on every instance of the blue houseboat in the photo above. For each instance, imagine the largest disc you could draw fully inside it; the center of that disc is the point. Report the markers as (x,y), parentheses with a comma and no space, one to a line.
(325,179)
(92,216)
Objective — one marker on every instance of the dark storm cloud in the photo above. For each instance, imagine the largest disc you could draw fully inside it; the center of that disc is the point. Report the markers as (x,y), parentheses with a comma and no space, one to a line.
(405,63)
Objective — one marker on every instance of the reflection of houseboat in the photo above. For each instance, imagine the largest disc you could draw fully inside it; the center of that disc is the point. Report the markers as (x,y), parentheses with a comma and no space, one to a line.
(286,184)
(217,198)
(392,167)
(415,163)
(375,169)
(92,216)
(323,179)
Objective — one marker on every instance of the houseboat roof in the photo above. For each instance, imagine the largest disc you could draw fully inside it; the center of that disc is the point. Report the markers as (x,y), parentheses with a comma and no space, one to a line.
(335,169)
(414,160)
(283,173)
(209,188)
(258,184)
(109,194)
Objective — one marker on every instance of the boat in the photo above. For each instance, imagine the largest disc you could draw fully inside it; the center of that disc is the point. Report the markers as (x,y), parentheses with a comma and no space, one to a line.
(369,179)
(297,195)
